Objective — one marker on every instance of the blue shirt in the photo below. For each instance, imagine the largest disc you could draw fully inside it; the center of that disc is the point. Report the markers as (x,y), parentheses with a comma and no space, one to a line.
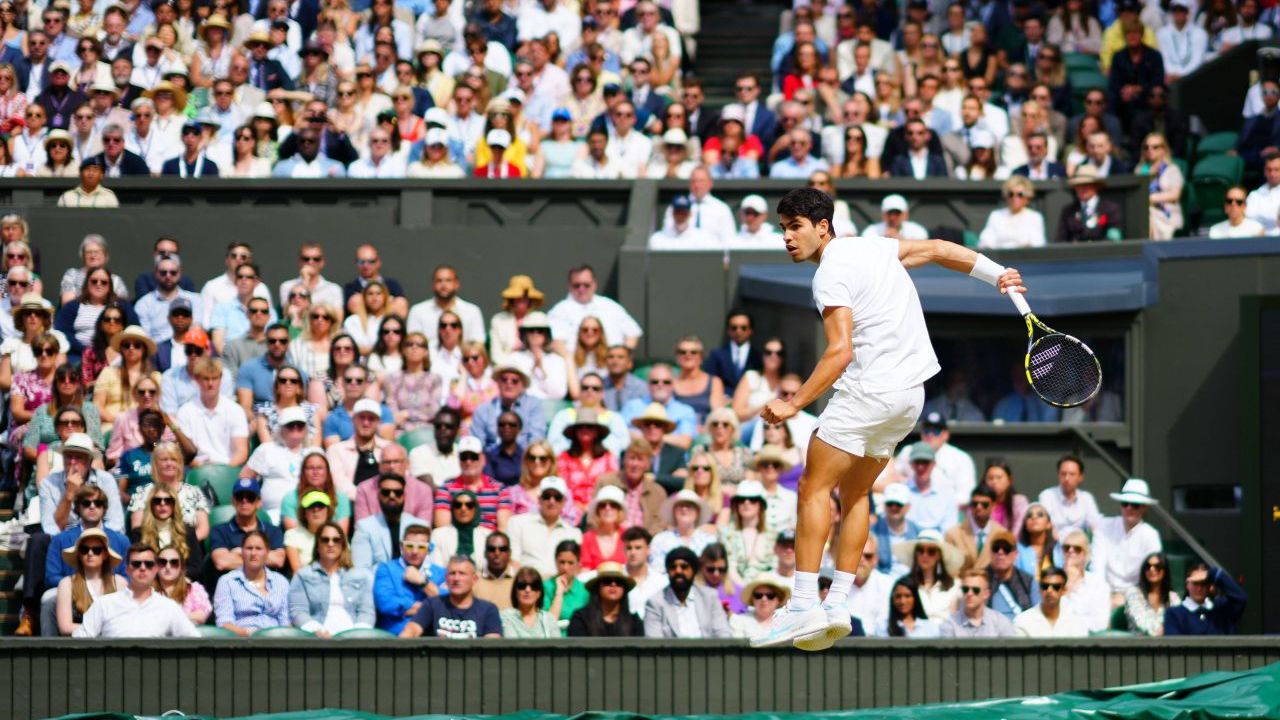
(237,603)
(931,510)
(440,618)
(258,376)
(789,169)
(153,313)
(885,540)
(392,596)
(682,415)
(232,318)
(484,422)
(55,568)
(503,467)
(228,535)
(134,468)
(339,422)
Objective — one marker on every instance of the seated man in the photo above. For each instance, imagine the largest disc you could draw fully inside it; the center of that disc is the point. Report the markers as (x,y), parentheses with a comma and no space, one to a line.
(376,539)
(58,490)
(498,574)
(225,539)
(339,425)
(178,385)
(662,392)
(534,536)
(214,423)
(895,221)
(513,384)
(974,619)
(419,497)
(435,462)
(973,535)
(355,460)
(1213,605)
(685,609)
(460,614)
(402,585)
(1047,620)
(1012,589)
(932,508)
(892,525)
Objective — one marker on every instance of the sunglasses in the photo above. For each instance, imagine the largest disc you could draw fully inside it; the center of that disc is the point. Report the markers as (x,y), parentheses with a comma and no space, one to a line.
(539,458)
(466,505)
(278,341)
(552,497)
(1073,549)
(147,393)
(1056,587)
(70,423)
(927,551)
(330,540)
(93,503)
(611,582)
(498,548)
(162,501)
(970,590)
(1155,566)
(169,562)
(1002,548)
(94,550)
(140,564)
(391,492)
(390,331)
(715,569)
(528,586)
(450,325)
(245,497)
(194,350)
(700,468)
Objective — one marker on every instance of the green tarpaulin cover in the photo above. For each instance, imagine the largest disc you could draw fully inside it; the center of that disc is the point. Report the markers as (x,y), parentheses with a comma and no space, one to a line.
(1253,695)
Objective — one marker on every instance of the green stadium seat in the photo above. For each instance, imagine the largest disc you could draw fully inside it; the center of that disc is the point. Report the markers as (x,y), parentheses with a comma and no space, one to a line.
(1212,177)
(1188,201)
(1081,61)
(217,479)
(212,631)
(414,438)
(550,407)
(642,372)
(1094,634)
(363,634)
(282,632)
(220,514)
(1216,144)
(971,238)
(1119,621)
(1082,81)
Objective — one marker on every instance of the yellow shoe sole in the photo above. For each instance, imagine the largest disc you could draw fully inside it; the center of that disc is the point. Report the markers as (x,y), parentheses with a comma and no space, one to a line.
(816,642)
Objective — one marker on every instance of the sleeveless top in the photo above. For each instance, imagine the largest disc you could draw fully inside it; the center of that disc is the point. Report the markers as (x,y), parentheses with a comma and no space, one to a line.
(699,401)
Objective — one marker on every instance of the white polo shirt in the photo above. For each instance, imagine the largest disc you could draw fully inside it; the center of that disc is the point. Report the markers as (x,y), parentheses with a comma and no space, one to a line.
(118,615)
(213,430)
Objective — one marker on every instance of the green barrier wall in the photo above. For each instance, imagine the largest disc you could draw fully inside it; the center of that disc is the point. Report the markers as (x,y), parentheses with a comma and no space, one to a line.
(44,678)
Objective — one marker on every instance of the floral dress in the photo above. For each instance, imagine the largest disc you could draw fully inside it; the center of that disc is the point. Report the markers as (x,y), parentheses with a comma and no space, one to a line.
(416,393)
(747,562)
(736,471)
(468,393)
(35,392)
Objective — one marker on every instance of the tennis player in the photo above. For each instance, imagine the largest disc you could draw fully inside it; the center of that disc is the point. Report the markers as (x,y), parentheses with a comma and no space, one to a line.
(878,357)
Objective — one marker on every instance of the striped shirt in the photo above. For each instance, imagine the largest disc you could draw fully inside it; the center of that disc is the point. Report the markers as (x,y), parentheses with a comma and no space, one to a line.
(489,495)
(238,602)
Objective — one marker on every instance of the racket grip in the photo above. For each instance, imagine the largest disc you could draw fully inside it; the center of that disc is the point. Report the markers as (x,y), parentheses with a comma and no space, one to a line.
(1020,302)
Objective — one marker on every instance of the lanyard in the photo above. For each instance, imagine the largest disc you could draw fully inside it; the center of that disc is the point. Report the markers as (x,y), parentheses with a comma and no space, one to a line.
(198,171)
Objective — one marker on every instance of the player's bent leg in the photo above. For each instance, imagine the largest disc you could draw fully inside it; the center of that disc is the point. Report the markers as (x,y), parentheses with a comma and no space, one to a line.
(824,467)
(855,508)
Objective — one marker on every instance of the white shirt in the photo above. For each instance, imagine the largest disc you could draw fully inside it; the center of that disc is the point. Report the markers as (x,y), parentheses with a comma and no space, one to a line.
(1080,514)
(548,382)
(426,460)
(1032,623)
(953,471)
(1182,50)
(325,292)
(1007,230)
(390,167)
(801,426)
(688,238)
(870,603)
(891,349)
(910,230)
(1247,228)
(223,288)
(654,583)
(118,615)
(588,169)
(154,148)
(425,318)
(766,238)
(278,470)
(213,430)
(1263,205)
(533,542)
(710,215)
(568,314)
(1125,551)
(1090,602)
(630,152)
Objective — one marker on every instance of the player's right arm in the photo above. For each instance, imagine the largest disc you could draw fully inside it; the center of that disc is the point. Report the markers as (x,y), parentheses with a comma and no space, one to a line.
(914,253)
(837,325)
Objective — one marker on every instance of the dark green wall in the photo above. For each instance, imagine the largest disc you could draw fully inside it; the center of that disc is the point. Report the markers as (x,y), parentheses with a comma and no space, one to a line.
(239,677)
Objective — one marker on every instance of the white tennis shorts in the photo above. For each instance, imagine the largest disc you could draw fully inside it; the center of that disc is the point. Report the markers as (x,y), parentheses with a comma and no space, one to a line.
(870,424)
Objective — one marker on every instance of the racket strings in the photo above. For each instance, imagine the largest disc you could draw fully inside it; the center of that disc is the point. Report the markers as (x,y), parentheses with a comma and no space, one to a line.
(1062,370)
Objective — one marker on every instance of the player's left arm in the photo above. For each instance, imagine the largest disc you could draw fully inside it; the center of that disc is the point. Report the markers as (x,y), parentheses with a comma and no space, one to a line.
(915,253)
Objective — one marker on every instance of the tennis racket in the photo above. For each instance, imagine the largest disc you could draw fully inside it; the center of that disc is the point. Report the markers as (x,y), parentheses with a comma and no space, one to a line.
(1063,371)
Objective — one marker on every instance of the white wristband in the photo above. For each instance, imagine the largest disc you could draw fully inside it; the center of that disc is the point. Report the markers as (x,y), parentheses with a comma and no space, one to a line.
(986,270)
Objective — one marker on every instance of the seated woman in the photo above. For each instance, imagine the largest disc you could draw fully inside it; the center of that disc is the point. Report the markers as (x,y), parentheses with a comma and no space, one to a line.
(275,463)
(172,577)
(526,618)
(300,540)
(330,595)
(413,392)
(704,480)
(287,392)
(112,390)
(464,535)
(587,458)
(315,475)
(253,596)
(907,617)
(763,596)
(548,372)
(67,392)
(162,528)
(1145,604)
(603,542)
(730,456)
(565,593)
(95,563)
(167,471)
(607,612)
(32,317)
(125,434)
(747,538)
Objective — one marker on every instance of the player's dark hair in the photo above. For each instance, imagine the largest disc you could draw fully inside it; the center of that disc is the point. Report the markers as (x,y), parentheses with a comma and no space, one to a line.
(983,491)
(809,203)
(1071,458)
(917,608)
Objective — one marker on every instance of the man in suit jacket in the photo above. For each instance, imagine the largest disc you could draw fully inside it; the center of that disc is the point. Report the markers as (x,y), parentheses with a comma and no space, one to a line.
(334,145)
(664,612)
(973,536)
(1201,615)
(1100,153)
(1095,103)
(759,120)
(265,73)
(918,135)
(1039,166)
(118,161)
(702,120)
(733,359)
(648,103)
(192,163)
(371,543)
(1090,217)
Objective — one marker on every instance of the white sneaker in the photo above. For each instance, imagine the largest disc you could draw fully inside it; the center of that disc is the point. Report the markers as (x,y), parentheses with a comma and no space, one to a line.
(838,626)
(788,625)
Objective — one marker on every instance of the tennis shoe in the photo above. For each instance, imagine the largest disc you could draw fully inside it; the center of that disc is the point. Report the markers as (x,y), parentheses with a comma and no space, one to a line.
(838,626)
(788,625)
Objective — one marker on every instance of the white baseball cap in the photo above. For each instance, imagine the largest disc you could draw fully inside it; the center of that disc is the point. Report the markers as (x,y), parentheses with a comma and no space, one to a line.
(469,443)
(897,493)
(551,482)
(437,136)
(893,202)
(756,203)
(296,414)
(366,405)
(498,137)
(674,136)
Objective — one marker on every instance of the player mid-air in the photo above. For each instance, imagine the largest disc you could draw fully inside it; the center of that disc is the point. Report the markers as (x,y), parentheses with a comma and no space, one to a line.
(878,357)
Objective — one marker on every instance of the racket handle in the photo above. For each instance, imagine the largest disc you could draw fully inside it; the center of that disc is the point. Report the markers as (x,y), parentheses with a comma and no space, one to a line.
(1020,303)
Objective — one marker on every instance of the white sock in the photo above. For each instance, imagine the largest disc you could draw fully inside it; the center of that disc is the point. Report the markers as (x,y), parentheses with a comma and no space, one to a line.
(805,593)
(841,585)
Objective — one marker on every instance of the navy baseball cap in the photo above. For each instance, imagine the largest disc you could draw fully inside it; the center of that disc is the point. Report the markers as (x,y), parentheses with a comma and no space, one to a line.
(681,202)
(248,485)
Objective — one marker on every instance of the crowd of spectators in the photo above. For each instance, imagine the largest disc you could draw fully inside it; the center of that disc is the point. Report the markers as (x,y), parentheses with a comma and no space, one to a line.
(605,89)
(336,458)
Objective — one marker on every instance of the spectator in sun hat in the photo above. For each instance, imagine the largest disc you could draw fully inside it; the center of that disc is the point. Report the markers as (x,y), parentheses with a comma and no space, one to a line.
(1125,541)
(762,596)
(895,221)
(58,489)
(685,515)
(608,613)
